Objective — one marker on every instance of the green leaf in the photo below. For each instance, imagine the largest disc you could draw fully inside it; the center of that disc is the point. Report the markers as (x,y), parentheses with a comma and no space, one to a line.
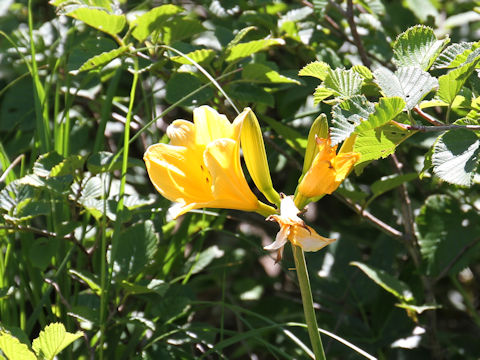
(137,247)
(444,229)
(317,69)
(181,85)
(100,162)
(386,110)
(292,137)
(264,74)
(197,263)
(240,35)
(42,251)
(418,46)
(364,72)
(90,279)
(152,20)
(387,183)
(320,7)
(348,114)
(418,308)
(52,340)
(394,286)
(450,84)
(455,156)
(99,19)
(410,83)
(177,29)
(46,162)
(422,9)
(199,56)
(100,60)
(380,142)
(345,83)
(375,7)
(155,286)
(68,166)
(13,349)
(321,93)
(454,55)
(243,50)
(249,93)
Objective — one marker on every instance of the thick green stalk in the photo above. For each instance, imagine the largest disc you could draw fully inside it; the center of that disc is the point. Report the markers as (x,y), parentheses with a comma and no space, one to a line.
(307,301)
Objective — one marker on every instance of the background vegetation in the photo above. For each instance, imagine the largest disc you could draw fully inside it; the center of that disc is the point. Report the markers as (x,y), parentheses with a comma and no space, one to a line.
(86,241)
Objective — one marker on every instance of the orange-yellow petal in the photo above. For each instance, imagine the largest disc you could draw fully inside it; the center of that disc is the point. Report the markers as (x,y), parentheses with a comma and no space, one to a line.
(210,125)
(307,238)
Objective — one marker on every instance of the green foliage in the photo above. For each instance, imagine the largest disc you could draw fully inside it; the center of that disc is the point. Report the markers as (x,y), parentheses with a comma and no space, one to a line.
(87,242)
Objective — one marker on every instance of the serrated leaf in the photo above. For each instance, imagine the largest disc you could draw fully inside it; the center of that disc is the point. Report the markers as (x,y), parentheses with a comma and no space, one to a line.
(52,340)
(380,142)
(100,60)
(13,349)
(137,246)
(152,20)
(410,83)
(451,83)
(348,114)
(264,74)
(199,56)
(317,69)
(386,110)
(68,166)
(345,83)
(99,19)
(177,29)
(455,156)
(46,162)
(391,284)
(443,230)
(418,46)
(243,50)
(452,55)
(363,71)
(240,35)
(321,93)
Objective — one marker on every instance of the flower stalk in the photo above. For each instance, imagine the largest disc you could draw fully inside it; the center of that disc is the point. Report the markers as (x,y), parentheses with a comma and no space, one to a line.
(307,301)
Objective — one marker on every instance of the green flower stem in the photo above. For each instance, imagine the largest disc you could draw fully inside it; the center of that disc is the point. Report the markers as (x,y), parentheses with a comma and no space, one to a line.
(307,301)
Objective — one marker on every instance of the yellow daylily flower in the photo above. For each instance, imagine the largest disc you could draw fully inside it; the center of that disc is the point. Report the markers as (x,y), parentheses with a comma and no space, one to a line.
(328,169)
(200,167)
(294,229)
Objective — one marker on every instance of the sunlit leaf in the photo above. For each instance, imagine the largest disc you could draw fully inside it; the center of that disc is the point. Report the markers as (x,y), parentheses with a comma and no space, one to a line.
(52,340)
(264,74)
(242,50)
(451,83)
(100,60)
(318,69)
(13,349)
(418,46)
(199,56)
(386,109)
(453,55)
(99,19)
(149,22)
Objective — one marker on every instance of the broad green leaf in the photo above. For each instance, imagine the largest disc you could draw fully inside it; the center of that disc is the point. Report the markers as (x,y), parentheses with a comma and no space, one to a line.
(243,50)
(68,166)
(199,56)
(386,110)
(387,183)
(418,46)
(345,83)
(99,19)
(455,156)
(42,251)
(264,74)
(363,71)
(100,162)
(249,93)
(46,162)
(13,349)
(451,83)
(90,188)
(317,69)
(100,60)
(292,137)
(31,208)
(197,263)
(239,36)
(90,279)
(422,8)
(137,247)
(453,55)
(321,93)
(98,208)
(348,114)
(148,23)
(375,7)
(52,340)
(177,29)
(181,84)
(410,83)
(444,228)
(380,142)
(156,286)
(391,284)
